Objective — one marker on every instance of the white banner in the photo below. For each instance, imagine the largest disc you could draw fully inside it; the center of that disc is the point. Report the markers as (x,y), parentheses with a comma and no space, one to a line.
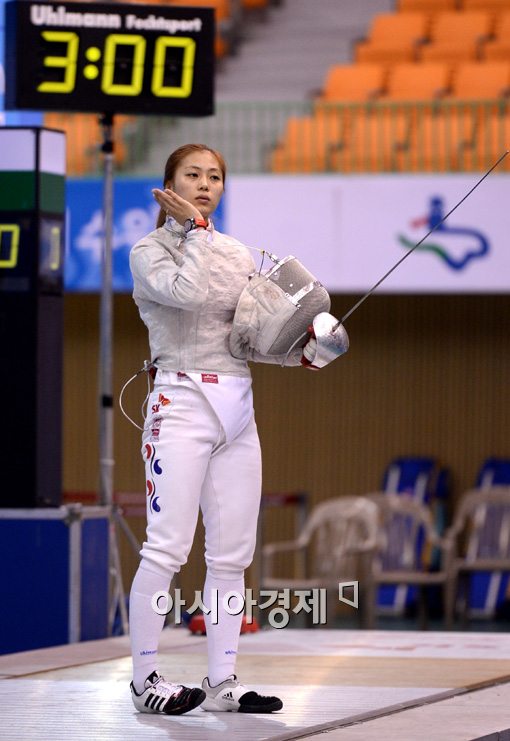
(350,230)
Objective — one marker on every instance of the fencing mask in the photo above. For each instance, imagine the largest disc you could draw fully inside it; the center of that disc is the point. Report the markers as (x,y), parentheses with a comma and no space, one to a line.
(276,310)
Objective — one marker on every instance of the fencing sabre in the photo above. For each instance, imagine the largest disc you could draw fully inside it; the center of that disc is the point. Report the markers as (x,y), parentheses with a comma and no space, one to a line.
(329,332)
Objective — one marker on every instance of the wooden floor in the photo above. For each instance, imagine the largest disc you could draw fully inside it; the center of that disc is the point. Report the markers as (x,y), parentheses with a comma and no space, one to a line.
(335,684)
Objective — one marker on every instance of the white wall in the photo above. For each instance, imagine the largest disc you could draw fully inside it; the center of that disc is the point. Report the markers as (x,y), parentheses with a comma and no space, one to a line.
(350,230)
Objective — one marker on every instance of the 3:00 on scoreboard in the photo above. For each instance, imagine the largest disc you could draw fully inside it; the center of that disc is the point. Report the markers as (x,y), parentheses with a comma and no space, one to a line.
(109,58)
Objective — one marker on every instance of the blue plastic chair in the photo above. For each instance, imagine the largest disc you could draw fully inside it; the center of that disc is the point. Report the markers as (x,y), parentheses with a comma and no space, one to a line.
(425,481)
(487,590)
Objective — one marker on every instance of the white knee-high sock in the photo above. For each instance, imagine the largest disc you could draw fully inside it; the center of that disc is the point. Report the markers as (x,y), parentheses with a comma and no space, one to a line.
(145,625)
(222,637)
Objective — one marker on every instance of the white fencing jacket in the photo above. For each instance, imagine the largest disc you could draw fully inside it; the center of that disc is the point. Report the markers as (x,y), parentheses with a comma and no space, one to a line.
(186,289)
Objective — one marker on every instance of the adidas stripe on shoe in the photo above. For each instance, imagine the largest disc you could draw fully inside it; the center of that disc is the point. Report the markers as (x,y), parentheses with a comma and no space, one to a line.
(160,696)
(231,696)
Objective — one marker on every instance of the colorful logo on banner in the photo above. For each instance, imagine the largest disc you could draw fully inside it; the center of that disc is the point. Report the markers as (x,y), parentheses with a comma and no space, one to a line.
(456,246)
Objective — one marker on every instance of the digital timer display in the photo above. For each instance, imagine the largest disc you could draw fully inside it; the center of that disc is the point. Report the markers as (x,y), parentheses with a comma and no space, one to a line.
(23,265)
(18,235)
(109,58)
(9,245)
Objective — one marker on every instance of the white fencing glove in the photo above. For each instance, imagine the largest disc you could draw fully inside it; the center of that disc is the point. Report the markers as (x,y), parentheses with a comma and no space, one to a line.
(309,352)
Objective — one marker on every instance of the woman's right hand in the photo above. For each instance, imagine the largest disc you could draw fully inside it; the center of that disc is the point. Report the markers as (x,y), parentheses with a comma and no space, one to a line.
(175,206)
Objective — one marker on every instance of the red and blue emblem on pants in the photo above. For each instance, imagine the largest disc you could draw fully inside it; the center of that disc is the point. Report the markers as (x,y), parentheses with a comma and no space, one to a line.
(155,470)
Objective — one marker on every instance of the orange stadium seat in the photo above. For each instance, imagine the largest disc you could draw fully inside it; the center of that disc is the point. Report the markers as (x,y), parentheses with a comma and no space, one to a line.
(439,141)
(489,142)
(427,6)
(375,141)
(456,36)
(422,81)
(418,86)
(499,46)
(353,82)
(464,134)
(393,37)
(345,87)
(479,91)
(306,144)
(439,137)
(492,6)
(481,80)
(412,90)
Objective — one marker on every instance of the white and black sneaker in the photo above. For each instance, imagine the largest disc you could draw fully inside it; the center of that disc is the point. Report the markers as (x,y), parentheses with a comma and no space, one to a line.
(160,696)
(231,696)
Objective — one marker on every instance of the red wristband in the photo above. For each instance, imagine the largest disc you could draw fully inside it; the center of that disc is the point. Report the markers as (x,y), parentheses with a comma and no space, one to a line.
(191,224)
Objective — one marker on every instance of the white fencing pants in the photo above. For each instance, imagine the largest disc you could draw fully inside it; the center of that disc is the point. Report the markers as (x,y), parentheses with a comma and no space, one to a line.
(190,466)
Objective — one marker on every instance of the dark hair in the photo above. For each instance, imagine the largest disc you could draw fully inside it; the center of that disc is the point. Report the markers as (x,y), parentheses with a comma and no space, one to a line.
(175,160)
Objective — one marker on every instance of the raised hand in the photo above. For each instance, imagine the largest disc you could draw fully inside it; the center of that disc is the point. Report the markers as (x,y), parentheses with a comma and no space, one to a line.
(175,206)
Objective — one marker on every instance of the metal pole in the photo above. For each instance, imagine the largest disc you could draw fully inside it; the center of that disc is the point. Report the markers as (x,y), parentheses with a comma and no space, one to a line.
(106,460)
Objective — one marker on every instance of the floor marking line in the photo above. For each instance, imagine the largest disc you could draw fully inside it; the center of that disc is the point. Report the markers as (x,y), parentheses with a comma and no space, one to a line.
(389,710)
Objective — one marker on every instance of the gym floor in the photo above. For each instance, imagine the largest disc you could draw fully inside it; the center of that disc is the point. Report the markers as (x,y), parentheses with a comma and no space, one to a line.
(335,684)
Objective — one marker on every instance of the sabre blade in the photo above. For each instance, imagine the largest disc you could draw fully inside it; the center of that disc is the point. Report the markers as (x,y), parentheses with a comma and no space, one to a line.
(386,275)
